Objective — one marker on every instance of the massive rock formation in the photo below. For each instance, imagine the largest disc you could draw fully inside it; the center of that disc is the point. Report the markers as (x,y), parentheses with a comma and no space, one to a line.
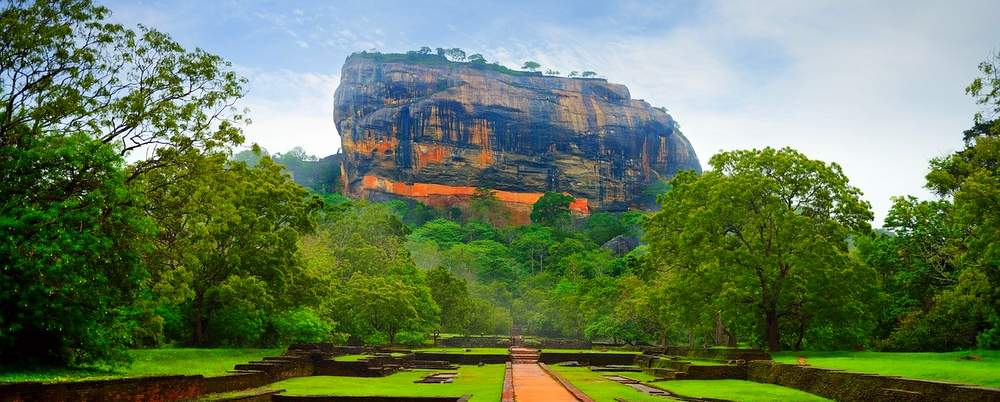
(419,126)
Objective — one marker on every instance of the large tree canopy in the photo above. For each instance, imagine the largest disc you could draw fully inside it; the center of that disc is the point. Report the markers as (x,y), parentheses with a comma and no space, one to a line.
(221,223)
(77,94)
(762,238)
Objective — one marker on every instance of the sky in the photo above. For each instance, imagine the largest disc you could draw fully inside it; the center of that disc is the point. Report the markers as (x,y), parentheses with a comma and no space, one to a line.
(877,87)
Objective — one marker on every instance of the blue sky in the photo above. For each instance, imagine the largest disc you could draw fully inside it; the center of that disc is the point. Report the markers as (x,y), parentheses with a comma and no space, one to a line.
(874,86)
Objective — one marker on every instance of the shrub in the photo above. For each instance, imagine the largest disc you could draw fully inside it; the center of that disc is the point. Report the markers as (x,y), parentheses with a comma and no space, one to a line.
(232,326)
(300,325)
(411,338)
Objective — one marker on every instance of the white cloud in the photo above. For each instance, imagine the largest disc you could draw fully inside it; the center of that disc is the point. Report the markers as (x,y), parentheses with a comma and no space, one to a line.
(290,109)
(875,87)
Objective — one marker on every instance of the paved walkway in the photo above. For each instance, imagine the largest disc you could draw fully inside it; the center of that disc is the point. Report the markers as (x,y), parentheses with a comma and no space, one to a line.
(532,384)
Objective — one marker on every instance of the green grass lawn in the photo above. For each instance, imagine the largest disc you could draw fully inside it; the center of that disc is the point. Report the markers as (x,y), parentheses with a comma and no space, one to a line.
(148,362)
(601,389)
(736,390)
(705,362)
(484,383)
(354,358)
(931,366)
(587,351)
(472,351)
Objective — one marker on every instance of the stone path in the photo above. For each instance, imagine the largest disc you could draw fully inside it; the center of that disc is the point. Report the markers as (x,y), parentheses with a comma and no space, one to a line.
(531,383)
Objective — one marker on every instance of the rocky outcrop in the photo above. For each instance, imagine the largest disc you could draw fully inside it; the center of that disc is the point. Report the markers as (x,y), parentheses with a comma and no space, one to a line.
(621,244)
(422,127)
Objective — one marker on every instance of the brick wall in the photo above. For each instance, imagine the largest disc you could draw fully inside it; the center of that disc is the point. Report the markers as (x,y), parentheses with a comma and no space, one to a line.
(849,387)
(457,358)
(158,388)
(593,359)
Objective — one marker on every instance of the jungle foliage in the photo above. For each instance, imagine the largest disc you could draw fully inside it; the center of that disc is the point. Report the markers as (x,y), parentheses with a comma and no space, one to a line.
(189,244)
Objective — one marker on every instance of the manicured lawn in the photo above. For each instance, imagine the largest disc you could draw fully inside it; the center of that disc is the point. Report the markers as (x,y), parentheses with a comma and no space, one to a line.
(149,362)
(601,389)
(354,358)
(472,351)
(484,383)
(588,351)
(700,362)
(349,358)
(736,390)
(931,366)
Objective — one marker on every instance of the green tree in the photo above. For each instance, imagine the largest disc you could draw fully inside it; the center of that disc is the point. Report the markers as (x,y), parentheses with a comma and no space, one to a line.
(370,306)
(530,66)
(76,73)
(635,313)
(441,231)
(455,54)
(573,74)
(971,178)
(484,206)
(79,94)
(73,235)
(473,231)
(452,295)
(767,227)
(588,74)
(603,226)
(552,210)
(477,58)
(222,222)
(533,245)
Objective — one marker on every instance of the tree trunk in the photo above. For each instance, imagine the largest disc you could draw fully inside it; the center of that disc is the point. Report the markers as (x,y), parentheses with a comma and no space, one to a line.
(801,334)
(730,338)
(197,315)
(773,337)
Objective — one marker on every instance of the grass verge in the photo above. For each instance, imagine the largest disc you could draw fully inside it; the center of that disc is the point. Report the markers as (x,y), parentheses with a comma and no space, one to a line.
(484,383)
(737,390)
(976,367)
(147,362)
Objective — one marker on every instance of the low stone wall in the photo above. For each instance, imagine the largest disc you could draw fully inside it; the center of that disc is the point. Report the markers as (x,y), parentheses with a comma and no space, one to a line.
(158,388)
(592,359)
(475,342)
(850,387)
(716,373)
(508,384)
(710,353)
(457,358)
(558,343)
(361,368)
(327,348)
(323,398)
(689,371)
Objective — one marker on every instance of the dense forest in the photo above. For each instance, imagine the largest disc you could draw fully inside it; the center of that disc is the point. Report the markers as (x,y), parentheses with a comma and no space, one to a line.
(132,216)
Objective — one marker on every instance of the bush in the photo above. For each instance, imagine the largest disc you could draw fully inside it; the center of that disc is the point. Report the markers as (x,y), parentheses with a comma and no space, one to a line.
(411,338)
(990,338)
(375,338)
(231,326)
(300,325)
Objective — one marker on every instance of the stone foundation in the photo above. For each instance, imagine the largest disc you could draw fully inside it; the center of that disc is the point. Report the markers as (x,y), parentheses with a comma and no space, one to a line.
(857,387)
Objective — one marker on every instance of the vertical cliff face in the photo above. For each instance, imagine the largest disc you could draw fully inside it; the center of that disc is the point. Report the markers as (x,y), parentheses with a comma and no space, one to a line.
(421,127)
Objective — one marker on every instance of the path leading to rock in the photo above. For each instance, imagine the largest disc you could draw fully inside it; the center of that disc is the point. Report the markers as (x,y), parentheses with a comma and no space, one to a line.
(531,383)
